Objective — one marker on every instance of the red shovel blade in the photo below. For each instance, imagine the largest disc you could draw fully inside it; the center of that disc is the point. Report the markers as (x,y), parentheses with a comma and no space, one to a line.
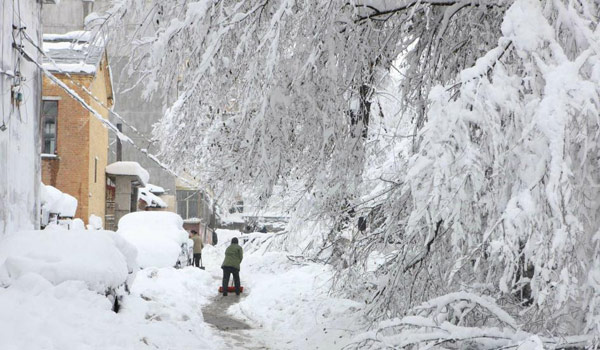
(230,289)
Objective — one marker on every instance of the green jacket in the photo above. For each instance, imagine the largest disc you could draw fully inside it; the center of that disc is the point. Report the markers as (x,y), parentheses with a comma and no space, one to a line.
(233,256)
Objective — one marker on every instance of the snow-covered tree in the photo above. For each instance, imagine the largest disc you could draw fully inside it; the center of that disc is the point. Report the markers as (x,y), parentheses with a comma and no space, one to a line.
(495,192)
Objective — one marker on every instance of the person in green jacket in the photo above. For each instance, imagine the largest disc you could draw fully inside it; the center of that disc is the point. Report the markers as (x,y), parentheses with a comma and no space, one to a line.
(231,265)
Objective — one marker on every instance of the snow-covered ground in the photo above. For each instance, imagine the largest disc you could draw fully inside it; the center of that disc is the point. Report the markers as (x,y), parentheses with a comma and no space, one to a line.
(286,305)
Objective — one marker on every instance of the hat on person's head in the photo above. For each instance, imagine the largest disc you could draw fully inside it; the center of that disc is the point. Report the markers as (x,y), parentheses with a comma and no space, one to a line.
(194,232)
(234,240)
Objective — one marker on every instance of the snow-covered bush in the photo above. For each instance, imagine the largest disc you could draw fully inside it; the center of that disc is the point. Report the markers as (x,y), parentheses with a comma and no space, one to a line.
(158,236)
(102,259)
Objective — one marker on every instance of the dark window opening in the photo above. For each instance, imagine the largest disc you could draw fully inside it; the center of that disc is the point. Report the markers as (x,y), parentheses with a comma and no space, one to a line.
(49,117)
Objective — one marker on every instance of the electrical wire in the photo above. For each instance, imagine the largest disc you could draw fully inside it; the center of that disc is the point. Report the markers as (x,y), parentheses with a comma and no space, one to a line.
(98,116)
(3,126)
(86,90)
(78,98)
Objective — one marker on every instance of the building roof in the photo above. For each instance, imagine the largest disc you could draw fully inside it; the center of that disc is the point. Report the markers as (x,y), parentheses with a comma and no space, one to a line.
(129,169)
(75,52)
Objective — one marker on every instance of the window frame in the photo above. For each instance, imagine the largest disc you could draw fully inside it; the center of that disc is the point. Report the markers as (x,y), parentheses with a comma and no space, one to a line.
(52,136)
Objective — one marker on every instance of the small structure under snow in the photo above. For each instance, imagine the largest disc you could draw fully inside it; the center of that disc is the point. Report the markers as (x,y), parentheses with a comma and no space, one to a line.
(158,236)
(150,199)
(56,204)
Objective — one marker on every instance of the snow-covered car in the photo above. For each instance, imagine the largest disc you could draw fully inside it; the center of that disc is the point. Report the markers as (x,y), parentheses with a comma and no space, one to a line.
(104,261)
(159,238)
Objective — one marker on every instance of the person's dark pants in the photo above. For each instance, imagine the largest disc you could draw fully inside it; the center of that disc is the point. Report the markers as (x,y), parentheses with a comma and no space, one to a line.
(236,279)
(197,258)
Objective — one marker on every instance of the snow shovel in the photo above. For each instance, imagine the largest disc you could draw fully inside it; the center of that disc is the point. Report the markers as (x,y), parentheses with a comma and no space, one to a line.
(231,288)
(201,264)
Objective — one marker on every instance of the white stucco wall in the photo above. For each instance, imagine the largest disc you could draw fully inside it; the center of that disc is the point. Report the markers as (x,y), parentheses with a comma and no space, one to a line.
(19,142)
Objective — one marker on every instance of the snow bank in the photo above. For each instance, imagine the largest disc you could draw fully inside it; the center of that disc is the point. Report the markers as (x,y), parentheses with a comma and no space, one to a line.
(158,237)
(54,201)
(100,259)
(163,312)
(128,168)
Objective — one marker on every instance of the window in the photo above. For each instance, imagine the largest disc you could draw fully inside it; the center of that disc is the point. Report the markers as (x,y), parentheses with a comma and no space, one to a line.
(49,116)
(187,203)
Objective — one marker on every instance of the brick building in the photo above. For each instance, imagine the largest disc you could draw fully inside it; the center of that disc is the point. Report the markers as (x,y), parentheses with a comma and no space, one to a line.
(74,141)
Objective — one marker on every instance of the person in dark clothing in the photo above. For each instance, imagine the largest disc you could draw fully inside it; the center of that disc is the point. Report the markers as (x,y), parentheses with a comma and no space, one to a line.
(231,265)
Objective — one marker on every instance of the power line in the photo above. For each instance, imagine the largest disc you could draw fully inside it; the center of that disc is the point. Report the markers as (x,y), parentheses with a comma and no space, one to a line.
(110,126)
(89,93)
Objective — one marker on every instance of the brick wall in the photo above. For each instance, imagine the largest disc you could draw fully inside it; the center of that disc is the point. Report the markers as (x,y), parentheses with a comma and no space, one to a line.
(81,139)
(98,148)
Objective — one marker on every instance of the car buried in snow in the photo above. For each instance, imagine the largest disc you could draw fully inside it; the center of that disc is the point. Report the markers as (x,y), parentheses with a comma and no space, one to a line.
(102,260)
(159,238)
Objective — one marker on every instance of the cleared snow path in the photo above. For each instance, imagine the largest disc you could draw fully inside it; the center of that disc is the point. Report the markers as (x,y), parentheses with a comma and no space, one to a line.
(235,333)
(215,314)
(284,306)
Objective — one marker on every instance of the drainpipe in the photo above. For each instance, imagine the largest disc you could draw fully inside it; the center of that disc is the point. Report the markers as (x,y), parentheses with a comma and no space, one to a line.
(119,145)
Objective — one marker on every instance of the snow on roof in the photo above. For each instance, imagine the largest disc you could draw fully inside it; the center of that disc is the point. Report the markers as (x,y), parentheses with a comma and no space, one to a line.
(80,67)
(73,52)
(233,218)
(150,198)
(155,189)
(129,168)
(77,35)
(57,202)
(192,221)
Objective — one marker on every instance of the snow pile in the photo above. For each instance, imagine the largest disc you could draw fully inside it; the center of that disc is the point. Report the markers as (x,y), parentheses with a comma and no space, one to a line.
(95,223)
(158,237)
(128,168)
(100,259)
(54,201)
(163,312)
(152,200)
(77,224)
(224,236)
